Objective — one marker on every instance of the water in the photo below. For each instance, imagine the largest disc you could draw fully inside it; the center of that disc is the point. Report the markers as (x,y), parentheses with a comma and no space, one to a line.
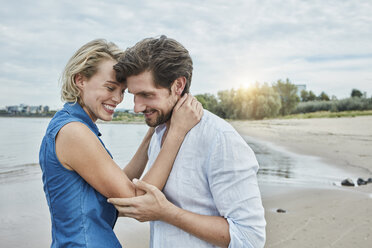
(280,166)
(20,140)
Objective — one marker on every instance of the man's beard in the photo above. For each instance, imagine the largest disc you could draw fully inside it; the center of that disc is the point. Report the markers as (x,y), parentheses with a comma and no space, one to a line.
(161,119)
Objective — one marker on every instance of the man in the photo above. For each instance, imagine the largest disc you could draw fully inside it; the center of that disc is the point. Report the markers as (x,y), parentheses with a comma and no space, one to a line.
(212,196)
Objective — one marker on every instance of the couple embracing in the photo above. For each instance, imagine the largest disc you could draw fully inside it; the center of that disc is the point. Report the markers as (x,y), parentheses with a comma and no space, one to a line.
(200,187)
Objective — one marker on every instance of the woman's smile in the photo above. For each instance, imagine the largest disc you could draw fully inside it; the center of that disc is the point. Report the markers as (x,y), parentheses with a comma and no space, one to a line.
(109,108)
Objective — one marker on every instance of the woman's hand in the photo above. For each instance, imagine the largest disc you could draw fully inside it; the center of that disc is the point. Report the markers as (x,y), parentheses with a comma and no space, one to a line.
(186,114)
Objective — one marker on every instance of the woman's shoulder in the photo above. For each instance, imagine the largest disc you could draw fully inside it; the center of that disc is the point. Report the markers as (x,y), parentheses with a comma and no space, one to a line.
(76,129)
(60,120)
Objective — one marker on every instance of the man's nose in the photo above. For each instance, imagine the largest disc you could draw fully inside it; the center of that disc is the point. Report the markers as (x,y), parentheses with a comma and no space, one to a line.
(139,106)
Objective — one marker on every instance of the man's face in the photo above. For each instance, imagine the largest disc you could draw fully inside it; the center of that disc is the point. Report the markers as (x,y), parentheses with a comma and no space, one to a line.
(156,103)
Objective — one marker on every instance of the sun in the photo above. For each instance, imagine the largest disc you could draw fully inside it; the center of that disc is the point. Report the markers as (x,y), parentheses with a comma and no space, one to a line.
(243,81)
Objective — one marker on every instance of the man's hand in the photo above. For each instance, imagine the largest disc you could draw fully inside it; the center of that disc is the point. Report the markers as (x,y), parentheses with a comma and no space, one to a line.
(154,206)
(151,206)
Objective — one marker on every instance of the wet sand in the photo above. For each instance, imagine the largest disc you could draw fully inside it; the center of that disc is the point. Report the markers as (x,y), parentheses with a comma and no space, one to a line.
(344,142)
(329,217)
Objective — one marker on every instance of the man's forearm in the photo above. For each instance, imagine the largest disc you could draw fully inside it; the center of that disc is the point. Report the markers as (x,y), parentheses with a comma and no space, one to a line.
(213,229)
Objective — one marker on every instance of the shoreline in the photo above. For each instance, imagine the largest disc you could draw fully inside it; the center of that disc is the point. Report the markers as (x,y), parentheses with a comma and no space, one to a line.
(344,142)
(319,217)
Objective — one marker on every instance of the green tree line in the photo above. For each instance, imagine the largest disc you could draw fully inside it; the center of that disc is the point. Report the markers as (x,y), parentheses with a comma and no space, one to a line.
(279,99)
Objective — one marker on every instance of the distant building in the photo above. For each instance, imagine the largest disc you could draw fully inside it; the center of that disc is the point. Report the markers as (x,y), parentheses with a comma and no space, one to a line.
(34,110)
(26,109)
(12,109)
(300,87)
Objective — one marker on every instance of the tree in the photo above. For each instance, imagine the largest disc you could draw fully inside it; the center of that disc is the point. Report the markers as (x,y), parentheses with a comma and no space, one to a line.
(226,106)
(304,96)
(208,101)
(288,96)
(267,103)
(356,93)
(323,97)
(312,96)
(256,102)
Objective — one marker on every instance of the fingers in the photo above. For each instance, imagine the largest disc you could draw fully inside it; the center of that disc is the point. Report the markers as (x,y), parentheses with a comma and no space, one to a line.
(126,211)
(197,107)
(121,201)
(144,186)
(130,212)
(189,100)
(181,101)
(133,216)
(133,200)
(194,103)
(200,110)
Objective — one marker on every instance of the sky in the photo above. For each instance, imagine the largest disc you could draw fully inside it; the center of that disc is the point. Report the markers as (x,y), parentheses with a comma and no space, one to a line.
(326,45)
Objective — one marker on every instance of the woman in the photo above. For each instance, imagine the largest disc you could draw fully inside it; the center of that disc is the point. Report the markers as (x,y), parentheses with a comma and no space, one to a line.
(78,171)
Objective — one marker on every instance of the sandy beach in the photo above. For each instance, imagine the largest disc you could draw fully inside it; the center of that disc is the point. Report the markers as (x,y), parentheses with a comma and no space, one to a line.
(330,217)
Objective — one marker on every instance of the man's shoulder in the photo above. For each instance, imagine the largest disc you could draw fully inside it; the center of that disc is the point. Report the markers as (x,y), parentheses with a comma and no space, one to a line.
(211,127)
(215,123)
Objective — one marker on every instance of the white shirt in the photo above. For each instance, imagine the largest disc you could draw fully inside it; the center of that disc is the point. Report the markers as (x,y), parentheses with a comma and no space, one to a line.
(214,174)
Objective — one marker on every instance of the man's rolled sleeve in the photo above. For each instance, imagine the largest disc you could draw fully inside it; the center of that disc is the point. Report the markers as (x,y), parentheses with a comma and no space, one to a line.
(233,183)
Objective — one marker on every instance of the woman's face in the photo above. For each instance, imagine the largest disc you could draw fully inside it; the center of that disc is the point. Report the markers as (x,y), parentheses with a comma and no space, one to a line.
(101,93)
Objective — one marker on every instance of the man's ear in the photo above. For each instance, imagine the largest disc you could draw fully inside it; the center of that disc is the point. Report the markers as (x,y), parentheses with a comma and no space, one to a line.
(179,85)
(79,81)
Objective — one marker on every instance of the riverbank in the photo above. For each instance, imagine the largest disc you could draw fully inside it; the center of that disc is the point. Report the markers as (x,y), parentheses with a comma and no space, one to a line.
(329,217)
(344,142)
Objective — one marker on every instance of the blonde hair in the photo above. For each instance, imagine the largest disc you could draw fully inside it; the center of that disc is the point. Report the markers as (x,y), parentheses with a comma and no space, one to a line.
(85,62)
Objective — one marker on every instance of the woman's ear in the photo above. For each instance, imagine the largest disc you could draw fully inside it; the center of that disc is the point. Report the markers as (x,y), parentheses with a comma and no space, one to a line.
(179,85)
(79,81)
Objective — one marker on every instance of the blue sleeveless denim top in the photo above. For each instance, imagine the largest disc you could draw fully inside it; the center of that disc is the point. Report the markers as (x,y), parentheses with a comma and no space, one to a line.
(81,216)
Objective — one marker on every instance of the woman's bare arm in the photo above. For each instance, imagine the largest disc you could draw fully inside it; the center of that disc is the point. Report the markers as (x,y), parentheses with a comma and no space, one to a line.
(79,149)
(136,165)
(188,107)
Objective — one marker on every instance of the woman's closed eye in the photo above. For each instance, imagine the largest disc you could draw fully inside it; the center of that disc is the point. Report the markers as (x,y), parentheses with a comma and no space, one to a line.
(110,88)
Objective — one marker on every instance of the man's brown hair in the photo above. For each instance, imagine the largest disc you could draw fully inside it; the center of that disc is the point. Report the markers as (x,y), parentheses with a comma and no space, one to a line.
(164,57)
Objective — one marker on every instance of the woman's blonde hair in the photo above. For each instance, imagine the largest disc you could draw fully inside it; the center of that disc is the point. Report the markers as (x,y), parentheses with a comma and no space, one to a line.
(85,62)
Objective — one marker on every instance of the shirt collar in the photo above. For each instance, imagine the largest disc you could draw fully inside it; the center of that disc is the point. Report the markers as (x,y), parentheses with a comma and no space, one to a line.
(160,128)
(77,111)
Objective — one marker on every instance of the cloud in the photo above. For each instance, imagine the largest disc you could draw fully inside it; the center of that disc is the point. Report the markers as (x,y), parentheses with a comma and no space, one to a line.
(325,44)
